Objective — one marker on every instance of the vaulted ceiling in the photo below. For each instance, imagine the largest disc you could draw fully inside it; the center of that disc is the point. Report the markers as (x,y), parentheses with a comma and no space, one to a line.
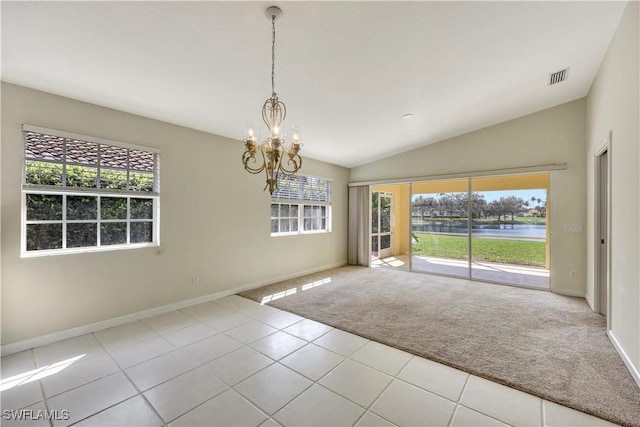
(347,71)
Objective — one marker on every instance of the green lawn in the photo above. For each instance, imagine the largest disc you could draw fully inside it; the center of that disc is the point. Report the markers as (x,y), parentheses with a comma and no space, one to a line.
(518,252)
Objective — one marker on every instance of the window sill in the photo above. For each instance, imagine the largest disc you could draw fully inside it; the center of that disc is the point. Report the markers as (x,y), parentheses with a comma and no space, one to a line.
(304,233)
(56,252)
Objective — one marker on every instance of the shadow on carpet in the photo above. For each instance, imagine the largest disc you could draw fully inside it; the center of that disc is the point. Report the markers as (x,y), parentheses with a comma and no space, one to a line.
(548,345)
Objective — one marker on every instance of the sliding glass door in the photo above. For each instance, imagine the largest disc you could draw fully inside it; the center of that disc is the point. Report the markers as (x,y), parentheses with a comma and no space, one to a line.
(509,230)
(491,229)
(440,227)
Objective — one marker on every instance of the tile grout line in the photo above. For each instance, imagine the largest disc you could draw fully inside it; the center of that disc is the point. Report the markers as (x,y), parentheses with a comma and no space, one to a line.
(228,387)
(139,393)
(281,407)
(477,410)
(347,358)
(377,399)
(312,381)
(278,361)
(91,382)
(199,365)
(44,397)
(136,386)
(458,404)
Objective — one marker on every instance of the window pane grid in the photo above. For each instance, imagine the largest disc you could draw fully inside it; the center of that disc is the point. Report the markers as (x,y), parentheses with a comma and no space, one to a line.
(80,221)
(141,233)
(315,217)
(284,218)
(291,210)
(68,162)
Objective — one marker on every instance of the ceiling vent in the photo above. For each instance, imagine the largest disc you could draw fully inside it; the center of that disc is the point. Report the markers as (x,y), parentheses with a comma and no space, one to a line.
(558,76)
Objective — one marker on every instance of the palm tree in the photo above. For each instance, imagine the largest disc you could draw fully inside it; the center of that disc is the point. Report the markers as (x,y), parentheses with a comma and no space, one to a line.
(541,207)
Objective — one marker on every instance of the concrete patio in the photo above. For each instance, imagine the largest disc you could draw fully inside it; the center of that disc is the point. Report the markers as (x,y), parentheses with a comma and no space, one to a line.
(517,275)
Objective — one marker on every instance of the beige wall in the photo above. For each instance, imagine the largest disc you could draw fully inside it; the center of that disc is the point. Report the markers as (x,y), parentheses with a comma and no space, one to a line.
(613,106)
(555,135)
(214,224)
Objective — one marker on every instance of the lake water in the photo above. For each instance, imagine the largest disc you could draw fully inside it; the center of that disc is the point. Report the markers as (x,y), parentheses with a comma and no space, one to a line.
(503,231)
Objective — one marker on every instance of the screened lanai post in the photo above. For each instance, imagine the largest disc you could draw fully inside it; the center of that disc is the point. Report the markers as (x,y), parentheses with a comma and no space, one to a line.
(359,240)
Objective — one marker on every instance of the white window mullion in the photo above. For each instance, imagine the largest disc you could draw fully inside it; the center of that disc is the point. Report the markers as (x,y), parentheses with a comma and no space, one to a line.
(128,220)
(23,237)
(300,218)
(156,221)
(99,219)
(64,221)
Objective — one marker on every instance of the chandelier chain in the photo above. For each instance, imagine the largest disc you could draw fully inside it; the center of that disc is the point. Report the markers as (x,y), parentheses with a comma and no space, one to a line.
(273,56)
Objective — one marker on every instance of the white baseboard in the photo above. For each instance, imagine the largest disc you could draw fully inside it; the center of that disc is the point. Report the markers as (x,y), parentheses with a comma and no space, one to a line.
(586,297)
(570,293)
(109,323)
(635,374)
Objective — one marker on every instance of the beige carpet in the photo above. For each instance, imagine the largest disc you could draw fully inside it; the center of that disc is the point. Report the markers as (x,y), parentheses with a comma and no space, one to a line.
(545,344)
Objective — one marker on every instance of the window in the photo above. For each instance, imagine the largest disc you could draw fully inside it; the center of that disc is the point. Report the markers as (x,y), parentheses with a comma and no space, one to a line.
(86,194)
(301,204)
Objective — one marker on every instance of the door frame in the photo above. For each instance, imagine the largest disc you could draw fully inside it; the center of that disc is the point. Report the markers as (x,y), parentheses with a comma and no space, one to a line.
(605,147)
(380,233)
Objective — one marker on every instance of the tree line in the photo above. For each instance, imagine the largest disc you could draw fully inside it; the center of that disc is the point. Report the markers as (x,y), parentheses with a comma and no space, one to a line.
(450,205)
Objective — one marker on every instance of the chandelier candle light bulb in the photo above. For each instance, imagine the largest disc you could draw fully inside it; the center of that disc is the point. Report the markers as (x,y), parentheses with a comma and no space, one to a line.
(273,148)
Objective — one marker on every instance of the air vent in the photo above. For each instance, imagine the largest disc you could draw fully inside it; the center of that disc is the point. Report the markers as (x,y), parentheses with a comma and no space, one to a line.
(558,76)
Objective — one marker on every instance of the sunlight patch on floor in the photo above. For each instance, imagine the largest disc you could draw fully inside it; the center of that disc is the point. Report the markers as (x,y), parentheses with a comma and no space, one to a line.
(293,291)
(36,374)
(387,262)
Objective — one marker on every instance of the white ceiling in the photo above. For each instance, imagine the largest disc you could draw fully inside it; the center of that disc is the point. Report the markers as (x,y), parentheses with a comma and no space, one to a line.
(347,71)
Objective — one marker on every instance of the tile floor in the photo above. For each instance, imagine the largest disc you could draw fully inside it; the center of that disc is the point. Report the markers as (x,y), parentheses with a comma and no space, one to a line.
(235,362)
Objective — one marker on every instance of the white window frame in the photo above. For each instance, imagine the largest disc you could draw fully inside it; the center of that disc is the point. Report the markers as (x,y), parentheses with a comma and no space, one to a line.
(91,192)
(301,204)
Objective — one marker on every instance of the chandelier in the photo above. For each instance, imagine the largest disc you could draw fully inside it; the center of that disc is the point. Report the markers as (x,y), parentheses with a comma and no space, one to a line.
(277,156)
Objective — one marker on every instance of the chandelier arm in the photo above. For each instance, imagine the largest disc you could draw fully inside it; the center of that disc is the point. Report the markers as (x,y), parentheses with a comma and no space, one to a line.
(296,160)
(253,170)
(247,156)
